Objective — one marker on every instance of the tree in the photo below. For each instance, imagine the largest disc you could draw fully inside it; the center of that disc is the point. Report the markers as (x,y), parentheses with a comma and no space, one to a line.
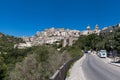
(117,40)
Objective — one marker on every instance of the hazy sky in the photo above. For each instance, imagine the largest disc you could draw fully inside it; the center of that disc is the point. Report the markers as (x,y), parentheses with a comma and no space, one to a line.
(25,17)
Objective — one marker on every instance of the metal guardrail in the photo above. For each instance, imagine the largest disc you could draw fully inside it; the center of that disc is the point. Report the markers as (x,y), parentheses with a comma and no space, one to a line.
(60,74)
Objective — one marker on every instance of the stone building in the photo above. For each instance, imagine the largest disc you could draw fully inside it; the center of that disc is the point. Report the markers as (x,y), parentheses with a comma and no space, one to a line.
(89,31)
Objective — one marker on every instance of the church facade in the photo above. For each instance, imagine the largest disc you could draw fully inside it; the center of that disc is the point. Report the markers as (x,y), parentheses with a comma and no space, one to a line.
(89,31)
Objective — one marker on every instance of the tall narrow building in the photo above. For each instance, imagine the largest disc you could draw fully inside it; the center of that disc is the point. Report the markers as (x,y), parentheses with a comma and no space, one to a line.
(96,30)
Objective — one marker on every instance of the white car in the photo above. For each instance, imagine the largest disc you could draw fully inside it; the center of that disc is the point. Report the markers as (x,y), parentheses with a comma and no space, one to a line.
(102,54)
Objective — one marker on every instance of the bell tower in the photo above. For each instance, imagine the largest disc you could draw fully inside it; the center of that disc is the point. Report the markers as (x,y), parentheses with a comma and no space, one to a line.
(96,27)
(88,30)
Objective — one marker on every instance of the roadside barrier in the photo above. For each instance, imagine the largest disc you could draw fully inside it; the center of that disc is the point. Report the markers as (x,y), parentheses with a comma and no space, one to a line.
(60,74)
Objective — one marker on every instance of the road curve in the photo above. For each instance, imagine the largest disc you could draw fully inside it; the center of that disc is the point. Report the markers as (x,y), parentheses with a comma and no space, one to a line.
(95,68)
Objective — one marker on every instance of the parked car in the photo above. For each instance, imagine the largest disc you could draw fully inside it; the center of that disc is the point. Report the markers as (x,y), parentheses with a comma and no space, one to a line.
(85,51)
(102,53)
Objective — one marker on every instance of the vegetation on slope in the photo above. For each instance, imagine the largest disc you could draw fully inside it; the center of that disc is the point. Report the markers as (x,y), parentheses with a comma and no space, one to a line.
(8,55)
(39,65)
(7,42)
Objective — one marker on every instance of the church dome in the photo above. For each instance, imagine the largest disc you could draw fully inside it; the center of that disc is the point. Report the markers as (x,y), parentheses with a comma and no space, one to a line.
(88,27)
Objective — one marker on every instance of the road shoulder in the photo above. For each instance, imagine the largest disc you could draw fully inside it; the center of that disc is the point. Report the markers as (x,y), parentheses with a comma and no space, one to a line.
(76,71)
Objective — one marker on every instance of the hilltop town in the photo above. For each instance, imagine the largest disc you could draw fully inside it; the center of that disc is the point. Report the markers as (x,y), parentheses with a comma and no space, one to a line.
(57,35)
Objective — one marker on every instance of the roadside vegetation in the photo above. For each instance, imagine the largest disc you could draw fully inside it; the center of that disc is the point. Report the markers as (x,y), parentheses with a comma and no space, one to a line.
(42,63)
(109,41)
(39,65)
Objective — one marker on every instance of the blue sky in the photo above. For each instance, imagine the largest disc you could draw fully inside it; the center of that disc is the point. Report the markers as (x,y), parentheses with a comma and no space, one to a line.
(25,17)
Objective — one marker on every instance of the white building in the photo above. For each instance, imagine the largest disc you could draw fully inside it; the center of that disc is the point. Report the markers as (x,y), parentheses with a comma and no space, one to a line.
(23,45)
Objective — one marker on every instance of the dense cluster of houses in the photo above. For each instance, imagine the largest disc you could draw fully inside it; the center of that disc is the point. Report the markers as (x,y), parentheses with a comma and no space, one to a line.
(53,35)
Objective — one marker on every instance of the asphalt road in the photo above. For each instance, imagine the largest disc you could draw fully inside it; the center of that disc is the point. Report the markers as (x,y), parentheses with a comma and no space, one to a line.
(95,68)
